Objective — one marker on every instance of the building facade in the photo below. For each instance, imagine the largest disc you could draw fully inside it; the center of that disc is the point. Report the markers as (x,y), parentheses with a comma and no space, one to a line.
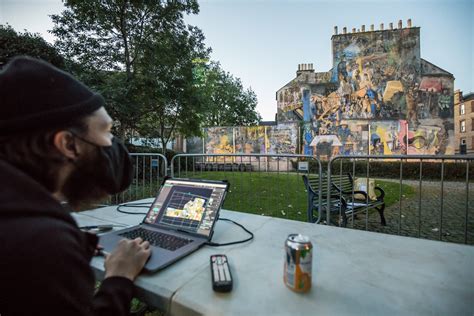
(464,122)
(380,97)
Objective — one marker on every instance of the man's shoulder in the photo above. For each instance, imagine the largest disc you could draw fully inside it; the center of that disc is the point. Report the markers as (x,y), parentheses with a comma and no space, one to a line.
(41,234)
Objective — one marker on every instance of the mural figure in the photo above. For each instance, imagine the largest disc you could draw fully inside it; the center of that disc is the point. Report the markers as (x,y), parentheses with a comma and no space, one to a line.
(377,77)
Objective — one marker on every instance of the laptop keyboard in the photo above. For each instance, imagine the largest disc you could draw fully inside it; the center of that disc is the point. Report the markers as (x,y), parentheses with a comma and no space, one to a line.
(158,239)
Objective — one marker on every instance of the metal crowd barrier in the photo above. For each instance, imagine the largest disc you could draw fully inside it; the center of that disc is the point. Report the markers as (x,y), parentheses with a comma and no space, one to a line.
(271,185)
(263,184)
(149,171)
(443,213)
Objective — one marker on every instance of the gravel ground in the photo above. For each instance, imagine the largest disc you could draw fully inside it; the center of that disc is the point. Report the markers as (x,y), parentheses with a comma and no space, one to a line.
(427,221)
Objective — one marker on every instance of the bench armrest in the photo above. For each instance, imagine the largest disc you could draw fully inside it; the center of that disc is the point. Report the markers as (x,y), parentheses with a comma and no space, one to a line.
(381,195)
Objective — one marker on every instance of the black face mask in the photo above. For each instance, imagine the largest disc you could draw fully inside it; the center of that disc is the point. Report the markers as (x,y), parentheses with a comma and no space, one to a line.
(107,170)
(117,167)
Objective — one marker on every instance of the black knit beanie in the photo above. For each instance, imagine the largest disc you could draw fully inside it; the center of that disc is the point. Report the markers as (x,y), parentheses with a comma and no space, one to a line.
(34,94)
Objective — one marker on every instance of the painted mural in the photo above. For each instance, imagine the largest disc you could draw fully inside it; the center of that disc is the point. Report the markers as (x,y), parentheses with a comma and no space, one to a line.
(387,138)
(219,140)
(379,78)
(280,139)
(250,140)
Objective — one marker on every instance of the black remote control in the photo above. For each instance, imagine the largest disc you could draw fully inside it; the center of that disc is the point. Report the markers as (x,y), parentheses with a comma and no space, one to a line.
(221,276)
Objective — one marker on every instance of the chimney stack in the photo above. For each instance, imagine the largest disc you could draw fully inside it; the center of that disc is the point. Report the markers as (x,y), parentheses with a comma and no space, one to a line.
(335,30)
(391,26)
(363,28)
(409,22)
(381,26)
(344,30)
(371,27)
(400,24)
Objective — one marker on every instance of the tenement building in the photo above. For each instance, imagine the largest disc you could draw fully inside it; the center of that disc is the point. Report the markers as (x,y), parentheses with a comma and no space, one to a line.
(464,122)
(380,97)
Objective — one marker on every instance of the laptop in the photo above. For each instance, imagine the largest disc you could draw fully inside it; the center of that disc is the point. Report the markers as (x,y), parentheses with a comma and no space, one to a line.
(180,220)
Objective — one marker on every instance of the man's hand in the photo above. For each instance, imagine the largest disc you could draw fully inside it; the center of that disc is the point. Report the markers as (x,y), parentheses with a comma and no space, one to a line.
(128,259)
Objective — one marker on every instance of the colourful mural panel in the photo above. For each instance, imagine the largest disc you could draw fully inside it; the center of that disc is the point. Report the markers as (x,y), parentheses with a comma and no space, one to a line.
(387,138)
(282,139)
(377,77)
(219,140)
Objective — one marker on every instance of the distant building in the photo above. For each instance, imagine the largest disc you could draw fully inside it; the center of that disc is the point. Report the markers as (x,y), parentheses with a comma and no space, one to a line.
(380,97)
(464,122)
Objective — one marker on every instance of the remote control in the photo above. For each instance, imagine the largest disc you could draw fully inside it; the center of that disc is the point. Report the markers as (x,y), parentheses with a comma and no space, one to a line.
(221,276)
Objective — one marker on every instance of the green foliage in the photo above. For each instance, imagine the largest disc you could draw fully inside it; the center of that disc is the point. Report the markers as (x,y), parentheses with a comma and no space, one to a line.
(227,103)
(14,44)
(138,54)
(431,170)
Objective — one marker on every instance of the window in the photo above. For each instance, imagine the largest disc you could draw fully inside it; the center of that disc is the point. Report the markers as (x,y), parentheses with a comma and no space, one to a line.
(472,124)
(463,126)
(463,141)
(472,107)
(462,109)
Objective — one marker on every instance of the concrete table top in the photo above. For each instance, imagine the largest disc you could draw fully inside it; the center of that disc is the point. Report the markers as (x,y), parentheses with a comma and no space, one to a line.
(354,272)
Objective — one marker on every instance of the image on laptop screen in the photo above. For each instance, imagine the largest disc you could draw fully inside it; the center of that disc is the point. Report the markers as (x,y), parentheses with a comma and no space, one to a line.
(187,205)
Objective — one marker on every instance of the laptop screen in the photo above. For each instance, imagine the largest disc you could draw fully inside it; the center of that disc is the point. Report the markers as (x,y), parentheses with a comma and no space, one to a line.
(190,205)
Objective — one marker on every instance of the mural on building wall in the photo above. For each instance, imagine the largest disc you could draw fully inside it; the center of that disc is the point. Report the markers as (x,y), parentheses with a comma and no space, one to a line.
(250,140)
(378,78)
(289,101)
(219,140)
(280,139)
(387,138)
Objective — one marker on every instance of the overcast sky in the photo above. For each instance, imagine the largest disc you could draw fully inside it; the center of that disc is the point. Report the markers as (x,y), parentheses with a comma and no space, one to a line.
(263,41)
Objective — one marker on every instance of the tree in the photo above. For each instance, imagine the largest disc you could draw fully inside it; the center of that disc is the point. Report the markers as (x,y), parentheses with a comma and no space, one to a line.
(227,103)
(126,49)
(14,43)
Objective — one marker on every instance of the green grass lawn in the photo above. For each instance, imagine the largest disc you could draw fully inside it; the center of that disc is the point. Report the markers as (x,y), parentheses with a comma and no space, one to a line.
(281,195)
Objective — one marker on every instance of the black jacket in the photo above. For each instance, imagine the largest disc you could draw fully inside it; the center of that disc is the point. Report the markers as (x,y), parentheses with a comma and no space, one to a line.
(44,257)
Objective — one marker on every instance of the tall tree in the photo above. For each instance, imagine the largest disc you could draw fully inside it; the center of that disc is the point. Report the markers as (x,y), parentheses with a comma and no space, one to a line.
(14,43)
(120,45)
(227,103)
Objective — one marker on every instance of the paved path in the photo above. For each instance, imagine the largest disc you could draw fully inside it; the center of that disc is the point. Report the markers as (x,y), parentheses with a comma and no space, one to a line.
(425,222)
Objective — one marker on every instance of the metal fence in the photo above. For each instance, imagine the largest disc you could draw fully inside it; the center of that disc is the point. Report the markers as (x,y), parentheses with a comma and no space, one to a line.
(440,207)
(427,196)
(263,184)
(149,171)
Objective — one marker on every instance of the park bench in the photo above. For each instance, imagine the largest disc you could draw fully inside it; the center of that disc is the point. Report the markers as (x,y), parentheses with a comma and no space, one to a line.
(341,199)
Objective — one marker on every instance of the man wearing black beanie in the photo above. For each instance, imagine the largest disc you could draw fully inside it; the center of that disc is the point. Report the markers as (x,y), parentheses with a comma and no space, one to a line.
(56,149)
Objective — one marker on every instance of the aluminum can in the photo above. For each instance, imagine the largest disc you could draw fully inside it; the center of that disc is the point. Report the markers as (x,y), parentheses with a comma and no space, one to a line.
(298,263)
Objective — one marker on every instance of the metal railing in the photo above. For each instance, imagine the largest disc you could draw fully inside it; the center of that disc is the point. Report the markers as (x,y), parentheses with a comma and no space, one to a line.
(437,210)
(263,184)
(149,171)
(271,185)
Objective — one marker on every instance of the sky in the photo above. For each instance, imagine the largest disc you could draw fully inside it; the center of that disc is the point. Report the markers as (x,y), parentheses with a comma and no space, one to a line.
(263,41)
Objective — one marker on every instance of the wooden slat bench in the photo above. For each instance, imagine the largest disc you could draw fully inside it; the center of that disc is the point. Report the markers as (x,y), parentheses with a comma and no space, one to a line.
(340,198)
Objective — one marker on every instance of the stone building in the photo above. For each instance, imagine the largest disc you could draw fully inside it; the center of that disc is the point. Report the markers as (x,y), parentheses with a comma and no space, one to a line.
(380,97)
(464,122)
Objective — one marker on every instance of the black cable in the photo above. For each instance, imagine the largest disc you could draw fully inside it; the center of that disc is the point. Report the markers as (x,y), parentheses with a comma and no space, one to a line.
(134,205)
(213,244)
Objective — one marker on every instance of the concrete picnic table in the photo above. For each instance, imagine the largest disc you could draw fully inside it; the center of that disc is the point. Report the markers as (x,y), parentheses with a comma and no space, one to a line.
(354,272)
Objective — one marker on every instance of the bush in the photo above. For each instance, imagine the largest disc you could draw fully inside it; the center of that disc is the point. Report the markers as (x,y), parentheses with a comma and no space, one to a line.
(430,170)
